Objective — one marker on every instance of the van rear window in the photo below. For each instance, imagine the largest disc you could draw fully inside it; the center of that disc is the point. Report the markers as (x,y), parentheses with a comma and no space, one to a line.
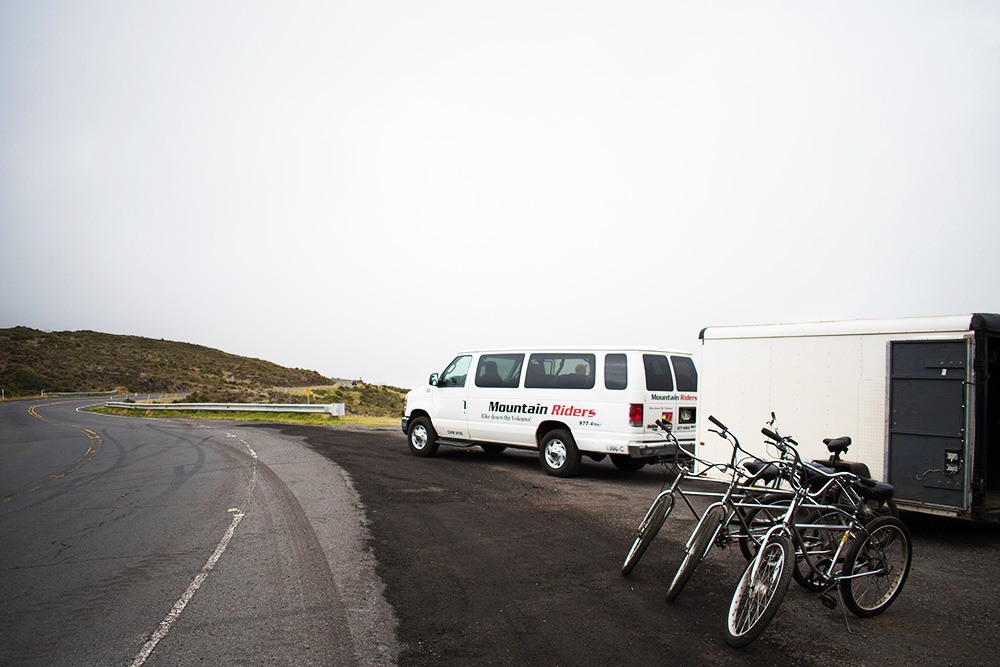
(560,371)
(658,375)
(687,374)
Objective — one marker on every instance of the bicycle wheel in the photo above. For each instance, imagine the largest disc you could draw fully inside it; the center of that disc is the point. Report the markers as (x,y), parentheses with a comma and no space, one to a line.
(876,566)
(759,520)
(699,544)
(759,594)
(648,528)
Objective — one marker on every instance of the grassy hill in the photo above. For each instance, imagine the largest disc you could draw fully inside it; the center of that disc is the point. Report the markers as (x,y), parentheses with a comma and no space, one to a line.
(32,361)
(89,361)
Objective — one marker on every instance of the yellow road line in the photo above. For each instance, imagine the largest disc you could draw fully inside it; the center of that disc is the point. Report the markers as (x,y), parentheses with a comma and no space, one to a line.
(95,442)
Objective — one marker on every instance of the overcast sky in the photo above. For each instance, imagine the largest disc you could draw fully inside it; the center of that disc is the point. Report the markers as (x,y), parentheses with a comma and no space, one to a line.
(365,188)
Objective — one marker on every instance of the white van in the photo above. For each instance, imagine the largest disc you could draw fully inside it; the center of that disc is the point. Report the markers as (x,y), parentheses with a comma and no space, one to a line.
(564,402)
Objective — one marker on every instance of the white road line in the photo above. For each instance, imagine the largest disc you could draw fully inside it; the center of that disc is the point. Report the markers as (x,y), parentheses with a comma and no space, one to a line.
(175,611)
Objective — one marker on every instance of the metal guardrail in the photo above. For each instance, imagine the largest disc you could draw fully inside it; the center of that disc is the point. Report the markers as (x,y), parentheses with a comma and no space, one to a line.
(335,409)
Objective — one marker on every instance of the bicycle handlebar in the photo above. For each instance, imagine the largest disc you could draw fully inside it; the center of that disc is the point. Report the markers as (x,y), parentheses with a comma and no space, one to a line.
(715,421)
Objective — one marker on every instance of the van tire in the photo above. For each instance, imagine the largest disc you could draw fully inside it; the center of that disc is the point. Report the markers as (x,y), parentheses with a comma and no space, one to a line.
(492,450)
(626,463)
(422,438)
(559,454)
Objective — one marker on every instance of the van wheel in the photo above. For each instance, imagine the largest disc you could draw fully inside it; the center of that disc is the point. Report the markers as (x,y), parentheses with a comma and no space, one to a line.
(422,438)
(626,462)
(558,454)
(493,449)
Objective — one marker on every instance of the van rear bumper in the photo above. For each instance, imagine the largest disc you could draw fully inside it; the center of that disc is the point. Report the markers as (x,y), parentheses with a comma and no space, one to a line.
(646,450)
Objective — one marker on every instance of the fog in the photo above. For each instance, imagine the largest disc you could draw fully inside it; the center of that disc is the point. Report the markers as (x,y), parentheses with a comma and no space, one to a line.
(366,188)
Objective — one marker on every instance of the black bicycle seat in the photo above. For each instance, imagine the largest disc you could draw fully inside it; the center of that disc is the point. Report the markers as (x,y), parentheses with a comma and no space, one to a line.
(762,470)
(837,446)
(814,470)
(869,488)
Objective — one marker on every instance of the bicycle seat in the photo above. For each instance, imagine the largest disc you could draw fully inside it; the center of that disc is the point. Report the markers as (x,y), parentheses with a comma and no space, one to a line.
(817,469)
(816,474)
(856,467)
(762,470)
(869,488)
(837,446)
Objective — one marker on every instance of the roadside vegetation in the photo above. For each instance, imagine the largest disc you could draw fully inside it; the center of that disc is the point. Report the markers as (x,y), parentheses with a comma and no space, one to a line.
(369,400)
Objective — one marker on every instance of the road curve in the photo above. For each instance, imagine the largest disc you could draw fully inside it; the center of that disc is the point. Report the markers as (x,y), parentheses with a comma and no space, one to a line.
(170,541)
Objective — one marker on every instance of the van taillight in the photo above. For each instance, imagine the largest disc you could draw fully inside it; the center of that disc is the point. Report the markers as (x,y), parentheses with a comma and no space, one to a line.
(635,414)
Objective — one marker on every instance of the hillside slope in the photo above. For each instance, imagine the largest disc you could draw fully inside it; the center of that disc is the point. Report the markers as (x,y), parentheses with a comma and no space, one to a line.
(32,361)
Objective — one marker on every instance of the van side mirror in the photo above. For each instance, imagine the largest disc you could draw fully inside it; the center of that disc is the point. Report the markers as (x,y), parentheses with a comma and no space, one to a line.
(433,380)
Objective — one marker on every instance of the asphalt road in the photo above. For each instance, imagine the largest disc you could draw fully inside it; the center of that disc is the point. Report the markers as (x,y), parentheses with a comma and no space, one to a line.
(127,540)
(484,560)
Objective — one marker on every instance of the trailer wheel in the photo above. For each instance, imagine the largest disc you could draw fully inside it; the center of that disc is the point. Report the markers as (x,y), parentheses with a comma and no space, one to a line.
(422,438)
(558,454)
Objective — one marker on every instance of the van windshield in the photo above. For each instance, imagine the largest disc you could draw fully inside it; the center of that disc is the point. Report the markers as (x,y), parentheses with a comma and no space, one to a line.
(455,374)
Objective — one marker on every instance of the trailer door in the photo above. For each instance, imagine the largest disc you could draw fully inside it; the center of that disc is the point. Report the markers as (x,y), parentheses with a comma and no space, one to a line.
(927,429)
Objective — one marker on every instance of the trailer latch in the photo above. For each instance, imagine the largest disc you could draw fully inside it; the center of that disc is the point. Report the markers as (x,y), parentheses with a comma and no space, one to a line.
(952,461)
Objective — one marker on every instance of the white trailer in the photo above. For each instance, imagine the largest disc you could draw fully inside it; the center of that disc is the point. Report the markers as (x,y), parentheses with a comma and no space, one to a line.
(919,397)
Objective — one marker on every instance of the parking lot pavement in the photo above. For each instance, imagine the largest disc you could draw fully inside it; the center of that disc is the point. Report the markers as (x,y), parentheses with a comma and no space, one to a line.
(487,560)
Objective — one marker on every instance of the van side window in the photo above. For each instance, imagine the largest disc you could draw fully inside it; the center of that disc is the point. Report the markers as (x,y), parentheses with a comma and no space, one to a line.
(560,371)
(687,374)
(454,375)
(615,371)
(658,375)
(499,370)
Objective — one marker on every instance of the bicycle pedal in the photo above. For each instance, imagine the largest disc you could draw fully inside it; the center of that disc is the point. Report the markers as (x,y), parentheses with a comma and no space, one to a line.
(828,600)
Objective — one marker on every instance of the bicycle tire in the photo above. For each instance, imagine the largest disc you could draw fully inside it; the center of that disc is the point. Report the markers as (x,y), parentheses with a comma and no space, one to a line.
(759,520)
(650,525)
(759,594)
(699,544)
(884,547)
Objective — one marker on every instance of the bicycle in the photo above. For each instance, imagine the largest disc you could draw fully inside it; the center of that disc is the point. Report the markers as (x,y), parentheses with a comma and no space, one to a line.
(741,494)
(865,556)
(845,492)
(664,503)
(661,506)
